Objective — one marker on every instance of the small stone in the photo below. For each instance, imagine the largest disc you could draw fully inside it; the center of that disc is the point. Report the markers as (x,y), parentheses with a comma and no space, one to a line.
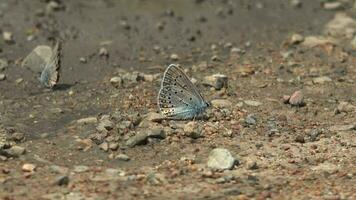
(250,119)
(16,151)
(82,60)
(215,58)
(125,24)
(138,139)
(58,169)
(296,38)
(116,81)
(154,117)
(326,167)
(341,25)
(104,146)
(148,77)
(322,80)
(156,133)
(251,164)
(253,103)
(80,168)
(2,77)
(174,57)
(88,120)
(352,43)
(53,6)
(286,98)
(221,103)
(114,146)
(37,58)
(62,180)
(345,107)
(191,129)
(105,124)
(8,37)
(343,127)
(296,3)
(17,137)
(314,41)
(122,157)
(299,139)
(221,159)
(28,167)
(297,99)
(19,80)
(333,6)
(3,64)
(103,52)
(218,81)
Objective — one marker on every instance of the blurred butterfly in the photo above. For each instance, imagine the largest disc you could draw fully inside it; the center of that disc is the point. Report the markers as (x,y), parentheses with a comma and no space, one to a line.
(178,97)
(50,74)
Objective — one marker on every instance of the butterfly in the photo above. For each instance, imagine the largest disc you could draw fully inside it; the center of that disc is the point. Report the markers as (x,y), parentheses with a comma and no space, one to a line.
(178,97)
(50,74)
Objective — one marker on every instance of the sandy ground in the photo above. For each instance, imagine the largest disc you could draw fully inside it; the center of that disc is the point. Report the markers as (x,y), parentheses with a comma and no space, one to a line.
(92,138)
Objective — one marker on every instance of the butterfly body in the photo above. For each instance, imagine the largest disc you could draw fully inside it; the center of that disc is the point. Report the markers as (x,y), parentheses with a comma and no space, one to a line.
(50,74)
(178,98)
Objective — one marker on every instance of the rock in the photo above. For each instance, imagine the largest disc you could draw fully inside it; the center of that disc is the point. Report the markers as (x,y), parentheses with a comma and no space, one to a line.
(250,119)
(251,164)
(156,179)
(104,146)
(221,103)
(62,180)
(314,41)
(103,52)
(105,124)
(191,129)
(156,133)
(341,26)
(28,167)
(58,169)
(125,24)
(221,159)
(154,117)
(114,146)
(37,58)
(326,167)
(88,120)
(296,39)
(299,139)
(333,5)
(297,99)
(345,107)
(174,57)
(296,3)
(122,157)
(116,81)
(285,99)
(322,80)
(138,139)
(53,6)
(80,168)
(343,127)
(353,42)
(253,103)
(2,77)
(3,64)
(218,81)
(8,36)
(16,151)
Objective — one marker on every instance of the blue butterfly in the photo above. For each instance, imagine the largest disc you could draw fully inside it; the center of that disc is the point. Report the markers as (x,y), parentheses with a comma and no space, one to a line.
(178,97)
(50,74)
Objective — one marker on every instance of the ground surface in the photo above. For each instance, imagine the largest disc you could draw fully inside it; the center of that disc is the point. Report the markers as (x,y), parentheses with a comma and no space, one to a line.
(282,151)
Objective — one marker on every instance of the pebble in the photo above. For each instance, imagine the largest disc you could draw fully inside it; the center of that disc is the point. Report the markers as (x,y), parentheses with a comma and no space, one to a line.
(326,167)
(333,5)
(218,81)
(28,167)
(220,159)
(250,119)
(154,117)
(116,81)
(103,52)
(38,56)
(191,129)
(105,124)
(322,80)
(58,169)
(2,77)
(296,3)
(8,36)
(221,103)
(104,146)
(296,38)
(122,157)
(80,168)
(253,103)
(3,64)
(114,146)
(343,127)
(16,151)
(299,139)
(352,43)
(53,6)
(314,41)
(341,25)
(88,120)
(251,164)
(345,107)
(62,180)
(125,24)
(138,139)
(174,57)
(297,99)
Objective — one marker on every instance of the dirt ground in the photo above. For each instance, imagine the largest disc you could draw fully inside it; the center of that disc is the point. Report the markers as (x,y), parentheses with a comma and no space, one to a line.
(92,137)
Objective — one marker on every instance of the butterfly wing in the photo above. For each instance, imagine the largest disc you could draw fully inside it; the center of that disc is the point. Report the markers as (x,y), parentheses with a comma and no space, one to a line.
(175,75)
(50,73)
(178,97)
